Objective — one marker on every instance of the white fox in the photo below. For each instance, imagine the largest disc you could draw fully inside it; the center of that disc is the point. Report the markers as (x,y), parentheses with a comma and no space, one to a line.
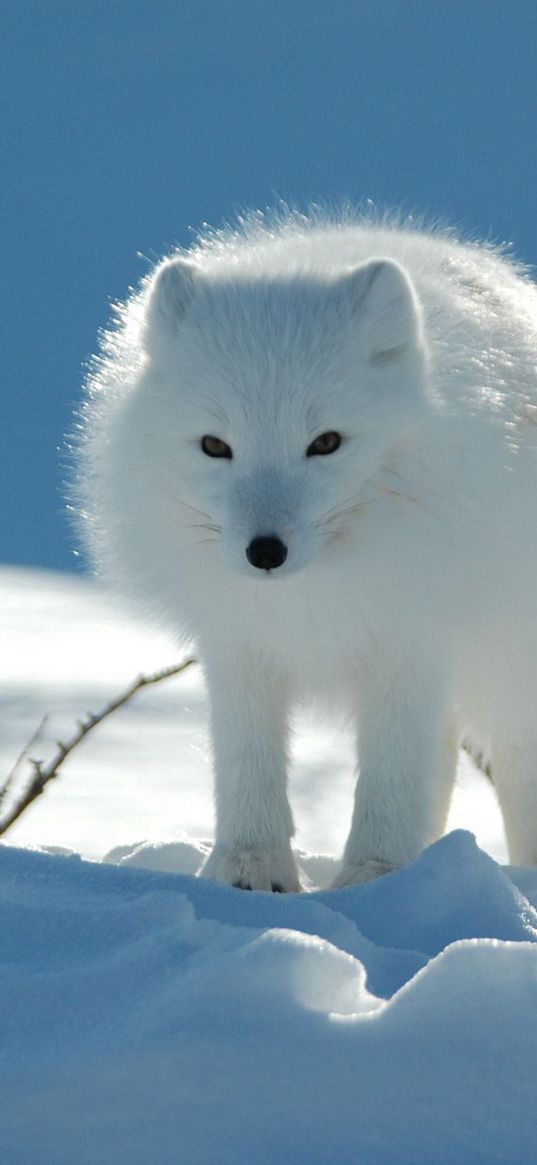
(311,446)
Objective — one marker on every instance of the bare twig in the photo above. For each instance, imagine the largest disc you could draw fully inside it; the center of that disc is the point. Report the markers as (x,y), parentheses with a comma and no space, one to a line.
(43,773)
(23,756)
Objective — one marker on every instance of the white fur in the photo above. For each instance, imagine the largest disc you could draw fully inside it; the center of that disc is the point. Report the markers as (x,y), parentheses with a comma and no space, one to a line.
(407,598)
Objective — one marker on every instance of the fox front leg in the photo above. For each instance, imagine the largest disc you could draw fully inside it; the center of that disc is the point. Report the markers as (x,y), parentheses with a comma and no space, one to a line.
(254,824)
(407,761)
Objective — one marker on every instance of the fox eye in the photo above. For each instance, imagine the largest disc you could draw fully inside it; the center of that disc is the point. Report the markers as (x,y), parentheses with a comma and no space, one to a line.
(215,447)
(325,443)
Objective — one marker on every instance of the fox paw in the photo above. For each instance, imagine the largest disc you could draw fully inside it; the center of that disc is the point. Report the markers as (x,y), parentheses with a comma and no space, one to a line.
(253,869)
(353,873)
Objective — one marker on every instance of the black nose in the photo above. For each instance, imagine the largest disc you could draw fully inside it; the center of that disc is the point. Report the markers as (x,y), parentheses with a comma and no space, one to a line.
(266,553)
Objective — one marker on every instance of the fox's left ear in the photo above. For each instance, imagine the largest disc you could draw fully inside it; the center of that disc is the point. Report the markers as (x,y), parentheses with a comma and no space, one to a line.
(386,308)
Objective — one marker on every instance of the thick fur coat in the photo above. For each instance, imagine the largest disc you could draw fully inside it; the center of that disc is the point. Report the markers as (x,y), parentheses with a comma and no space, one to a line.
(311,446)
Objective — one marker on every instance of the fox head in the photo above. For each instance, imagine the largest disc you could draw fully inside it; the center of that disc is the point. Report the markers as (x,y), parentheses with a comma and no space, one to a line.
(269,405)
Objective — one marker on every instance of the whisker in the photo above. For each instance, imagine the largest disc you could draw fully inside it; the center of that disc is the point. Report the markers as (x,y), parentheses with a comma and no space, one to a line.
(202,526)
(201,542)
(335,515)
(341,505)
(195,509)
(396,493)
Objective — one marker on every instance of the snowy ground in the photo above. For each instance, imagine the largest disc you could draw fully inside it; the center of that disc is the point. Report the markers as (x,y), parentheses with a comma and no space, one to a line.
(149,1017)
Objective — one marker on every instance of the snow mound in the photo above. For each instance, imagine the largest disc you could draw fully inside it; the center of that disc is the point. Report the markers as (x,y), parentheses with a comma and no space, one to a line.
(150,1016)
(153,1016)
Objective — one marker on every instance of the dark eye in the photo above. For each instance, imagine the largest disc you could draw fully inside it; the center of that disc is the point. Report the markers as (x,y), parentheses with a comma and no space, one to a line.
(215,447)
(325,443)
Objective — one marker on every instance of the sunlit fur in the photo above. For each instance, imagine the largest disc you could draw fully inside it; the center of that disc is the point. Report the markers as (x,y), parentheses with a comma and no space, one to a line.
(407,597)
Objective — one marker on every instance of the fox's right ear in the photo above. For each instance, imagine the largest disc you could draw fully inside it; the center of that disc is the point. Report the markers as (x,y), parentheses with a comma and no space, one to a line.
(170,294)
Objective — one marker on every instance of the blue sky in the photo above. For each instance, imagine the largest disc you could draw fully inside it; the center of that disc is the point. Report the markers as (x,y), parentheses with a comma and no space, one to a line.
(125,123)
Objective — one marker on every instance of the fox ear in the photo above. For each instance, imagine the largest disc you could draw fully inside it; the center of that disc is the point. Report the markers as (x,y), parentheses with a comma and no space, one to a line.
(172,290)
(387,308)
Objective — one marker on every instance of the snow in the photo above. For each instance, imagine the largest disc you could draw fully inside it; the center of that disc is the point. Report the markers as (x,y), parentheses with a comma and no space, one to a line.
(150,1016)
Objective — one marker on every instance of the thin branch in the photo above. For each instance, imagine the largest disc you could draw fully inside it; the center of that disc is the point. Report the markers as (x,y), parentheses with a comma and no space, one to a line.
(43,773)
(23,756)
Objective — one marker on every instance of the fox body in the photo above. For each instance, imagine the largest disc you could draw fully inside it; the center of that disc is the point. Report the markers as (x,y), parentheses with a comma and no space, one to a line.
(311,447)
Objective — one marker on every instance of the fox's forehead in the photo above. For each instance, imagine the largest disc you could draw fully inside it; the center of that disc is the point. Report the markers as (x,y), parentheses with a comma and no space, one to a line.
(280,342)
(257,403)
(288,318)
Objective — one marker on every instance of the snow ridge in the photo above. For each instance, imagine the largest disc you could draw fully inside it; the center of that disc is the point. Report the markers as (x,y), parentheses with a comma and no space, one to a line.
(156,1016)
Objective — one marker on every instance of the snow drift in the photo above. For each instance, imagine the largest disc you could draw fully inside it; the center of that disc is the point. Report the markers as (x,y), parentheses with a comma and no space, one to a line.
(156,1017)
(148,1016)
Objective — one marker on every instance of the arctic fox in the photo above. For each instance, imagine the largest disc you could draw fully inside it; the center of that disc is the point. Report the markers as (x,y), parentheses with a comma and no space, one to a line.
(311,446)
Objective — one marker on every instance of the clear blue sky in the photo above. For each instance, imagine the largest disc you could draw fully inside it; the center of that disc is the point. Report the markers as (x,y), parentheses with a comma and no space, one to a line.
(123,123)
